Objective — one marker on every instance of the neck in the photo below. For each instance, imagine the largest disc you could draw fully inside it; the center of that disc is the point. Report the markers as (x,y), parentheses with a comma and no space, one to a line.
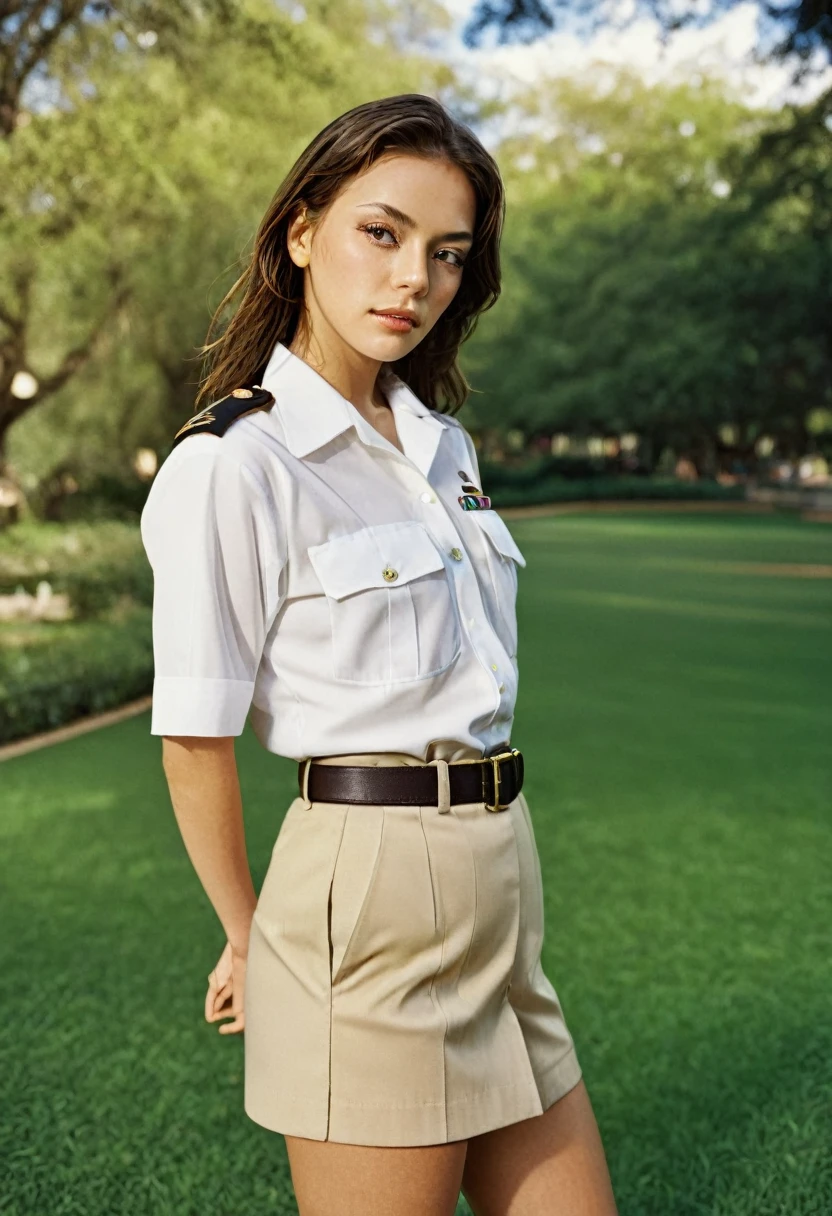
(353,375)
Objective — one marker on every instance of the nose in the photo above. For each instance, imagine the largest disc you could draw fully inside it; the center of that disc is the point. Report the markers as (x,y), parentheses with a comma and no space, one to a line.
(412,270)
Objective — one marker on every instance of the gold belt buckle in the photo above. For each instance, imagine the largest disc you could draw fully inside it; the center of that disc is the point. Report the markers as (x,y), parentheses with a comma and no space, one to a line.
(511,754)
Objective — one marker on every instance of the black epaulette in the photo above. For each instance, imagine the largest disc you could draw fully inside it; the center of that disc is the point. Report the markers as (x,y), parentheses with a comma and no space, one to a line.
(216,418)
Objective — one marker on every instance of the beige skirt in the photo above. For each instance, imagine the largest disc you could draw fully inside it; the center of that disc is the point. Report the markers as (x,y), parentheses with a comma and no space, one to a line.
(394,989)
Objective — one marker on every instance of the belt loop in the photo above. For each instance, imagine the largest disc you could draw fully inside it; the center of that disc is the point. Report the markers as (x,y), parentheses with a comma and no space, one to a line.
(304,786)
(443,786)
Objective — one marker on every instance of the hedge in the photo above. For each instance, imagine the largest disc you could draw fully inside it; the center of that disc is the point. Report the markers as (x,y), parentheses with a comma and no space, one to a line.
(521,491)
(68,670)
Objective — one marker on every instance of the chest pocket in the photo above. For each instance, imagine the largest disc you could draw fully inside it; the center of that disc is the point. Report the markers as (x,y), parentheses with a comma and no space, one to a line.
(392,608)
(503,557)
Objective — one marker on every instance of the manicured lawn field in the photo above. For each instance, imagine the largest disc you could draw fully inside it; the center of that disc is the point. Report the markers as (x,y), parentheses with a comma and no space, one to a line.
(675,715)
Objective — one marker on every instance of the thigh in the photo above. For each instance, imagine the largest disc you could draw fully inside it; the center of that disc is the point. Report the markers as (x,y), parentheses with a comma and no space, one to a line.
(549,1165)
(332,1179)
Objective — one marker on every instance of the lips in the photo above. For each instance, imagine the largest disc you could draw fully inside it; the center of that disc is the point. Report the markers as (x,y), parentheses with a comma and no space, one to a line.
(393,315)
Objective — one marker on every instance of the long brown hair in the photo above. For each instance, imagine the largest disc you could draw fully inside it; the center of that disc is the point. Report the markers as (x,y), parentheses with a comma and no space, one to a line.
(272,285)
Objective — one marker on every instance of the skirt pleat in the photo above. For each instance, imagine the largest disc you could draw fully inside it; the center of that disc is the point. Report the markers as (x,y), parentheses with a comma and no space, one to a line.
(394,988)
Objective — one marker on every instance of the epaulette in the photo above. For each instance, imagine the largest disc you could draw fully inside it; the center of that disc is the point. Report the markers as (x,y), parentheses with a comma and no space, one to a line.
(217,417)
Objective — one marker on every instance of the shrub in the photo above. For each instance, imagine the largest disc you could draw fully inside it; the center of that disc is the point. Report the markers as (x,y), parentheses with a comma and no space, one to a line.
(54,673)
(96,564)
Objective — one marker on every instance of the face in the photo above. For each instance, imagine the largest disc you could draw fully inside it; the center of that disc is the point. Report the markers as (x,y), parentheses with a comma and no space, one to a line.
(394,239)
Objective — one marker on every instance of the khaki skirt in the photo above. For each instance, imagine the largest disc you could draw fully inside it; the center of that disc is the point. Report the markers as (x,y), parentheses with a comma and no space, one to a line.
(394,990)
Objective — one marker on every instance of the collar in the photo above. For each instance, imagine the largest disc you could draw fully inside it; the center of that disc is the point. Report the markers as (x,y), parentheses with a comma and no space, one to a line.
(313,412)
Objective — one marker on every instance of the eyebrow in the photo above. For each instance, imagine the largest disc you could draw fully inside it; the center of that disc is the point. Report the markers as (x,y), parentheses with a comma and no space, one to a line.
(407,222)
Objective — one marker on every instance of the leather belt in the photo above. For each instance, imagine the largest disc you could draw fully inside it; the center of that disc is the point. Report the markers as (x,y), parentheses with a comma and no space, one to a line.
(495,780)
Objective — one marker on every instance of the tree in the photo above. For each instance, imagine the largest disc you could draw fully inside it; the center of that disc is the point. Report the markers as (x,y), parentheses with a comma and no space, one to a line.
(126,205)
(796,27)
(653,282)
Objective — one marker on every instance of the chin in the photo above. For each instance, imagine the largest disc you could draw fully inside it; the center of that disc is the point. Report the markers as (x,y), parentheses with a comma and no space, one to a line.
(389,347)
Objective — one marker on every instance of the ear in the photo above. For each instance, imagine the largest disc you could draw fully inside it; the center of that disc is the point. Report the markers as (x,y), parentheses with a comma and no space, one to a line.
(299,237)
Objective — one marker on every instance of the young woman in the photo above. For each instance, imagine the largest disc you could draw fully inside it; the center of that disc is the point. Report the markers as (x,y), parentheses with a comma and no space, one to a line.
(327,566)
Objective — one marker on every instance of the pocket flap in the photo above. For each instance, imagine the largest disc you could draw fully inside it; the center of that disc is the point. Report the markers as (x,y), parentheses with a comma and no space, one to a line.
(357,561)
(499,535)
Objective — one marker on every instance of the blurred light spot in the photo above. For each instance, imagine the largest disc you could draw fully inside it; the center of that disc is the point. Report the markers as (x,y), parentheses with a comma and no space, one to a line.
(145,462)
(24,386)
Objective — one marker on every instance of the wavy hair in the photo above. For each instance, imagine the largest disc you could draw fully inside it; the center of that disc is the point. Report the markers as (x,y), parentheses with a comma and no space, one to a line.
(270,289)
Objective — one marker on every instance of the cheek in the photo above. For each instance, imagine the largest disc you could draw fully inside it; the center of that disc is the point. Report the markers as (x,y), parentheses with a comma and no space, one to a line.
(353,259)
(443,289)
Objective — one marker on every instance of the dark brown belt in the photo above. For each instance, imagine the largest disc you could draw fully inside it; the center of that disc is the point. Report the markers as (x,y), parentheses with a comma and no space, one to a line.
(495,781)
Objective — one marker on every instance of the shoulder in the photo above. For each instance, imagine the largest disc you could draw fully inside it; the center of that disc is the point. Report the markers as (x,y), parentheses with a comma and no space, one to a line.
(210,475)
(216,418)
(226,437)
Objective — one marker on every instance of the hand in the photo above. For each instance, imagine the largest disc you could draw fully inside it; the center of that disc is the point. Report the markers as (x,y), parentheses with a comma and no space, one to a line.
(226,986)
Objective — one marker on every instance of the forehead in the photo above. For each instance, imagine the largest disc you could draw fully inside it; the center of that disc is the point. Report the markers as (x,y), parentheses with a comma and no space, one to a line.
(433,192)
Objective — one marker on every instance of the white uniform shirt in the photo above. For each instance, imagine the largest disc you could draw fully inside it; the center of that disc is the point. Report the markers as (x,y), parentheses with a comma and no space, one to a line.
(311,577)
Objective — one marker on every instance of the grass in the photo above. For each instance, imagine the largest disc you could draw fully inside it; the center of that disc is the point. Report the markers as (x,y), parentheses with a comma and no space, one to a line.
(675,718)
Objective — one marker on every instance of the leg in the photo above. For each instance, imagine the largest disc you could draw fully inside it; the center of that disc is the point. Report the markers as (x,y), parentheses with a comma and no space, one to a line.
(550,1165)
(332,1179)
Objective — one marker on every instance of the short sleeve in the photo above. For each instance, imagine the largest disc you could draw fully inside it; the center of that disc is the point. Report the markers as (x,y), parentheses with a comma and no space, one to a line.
(211,540)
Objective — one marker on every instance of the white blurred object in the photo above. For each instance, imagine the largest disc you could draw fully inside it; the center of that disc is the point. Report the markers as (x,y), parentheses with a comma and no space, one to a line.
(42,606)
(145,462)
(24,386)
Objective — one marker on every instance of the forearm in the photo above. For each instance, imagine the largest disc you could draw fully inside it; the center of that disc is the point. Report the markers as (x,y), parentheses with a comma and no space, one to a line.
(205,794)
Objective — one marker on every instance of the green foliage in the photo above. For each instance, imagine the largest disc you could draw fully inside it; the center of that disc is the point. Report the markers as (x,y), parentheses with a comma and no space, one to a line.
(642,296)
(96,564)
(125,208)
(638,294)
(516,487)
(53,672)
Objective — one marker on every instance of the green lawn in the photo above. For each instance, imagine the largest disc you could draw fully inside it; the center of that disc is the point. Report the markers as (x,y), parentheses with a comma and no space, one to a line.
(675,717)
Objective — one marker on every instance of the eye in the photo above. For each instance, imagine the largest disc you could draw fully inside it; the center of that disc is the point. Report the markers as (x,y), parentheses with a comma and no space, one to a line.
(379,228)
(460,259)
(374,228)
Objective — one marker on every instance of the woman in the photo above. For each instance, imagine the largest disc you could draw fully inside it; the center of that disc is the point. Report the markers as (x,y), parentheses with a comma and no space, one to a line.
(326,564)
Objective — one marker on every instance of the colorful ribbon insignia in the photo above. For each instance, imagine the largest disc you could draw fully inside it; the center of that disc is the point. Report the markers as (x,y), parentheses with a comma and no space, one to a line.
(472,498)
(474,502)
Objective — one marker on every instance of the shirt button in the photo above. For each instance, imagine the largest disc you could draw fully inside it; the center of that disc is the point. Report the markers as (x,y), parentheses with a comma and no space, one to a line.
(493,666)
(502,688)
(456,554)
(426,496)
(389,574)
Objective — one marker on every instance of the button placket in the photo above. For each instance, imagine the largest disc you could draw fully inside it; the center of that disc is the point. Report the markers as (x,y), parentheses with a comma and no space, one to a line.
(469,598)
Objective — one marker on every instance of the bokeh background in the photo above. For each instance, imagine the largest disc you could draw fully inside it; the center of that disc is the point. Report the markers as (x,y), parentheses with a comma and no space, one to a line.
(652,409)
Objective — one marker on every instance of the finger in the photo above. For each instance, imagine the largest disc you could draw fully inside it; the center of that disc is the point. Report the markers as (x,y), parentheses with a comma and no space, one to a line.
(234,1027)
(220,1007)
(214,1000)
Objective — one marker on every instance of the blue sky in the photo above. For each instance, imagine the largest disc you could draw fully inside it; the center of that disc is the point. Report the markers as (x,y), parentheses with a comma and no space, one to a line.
(724,47)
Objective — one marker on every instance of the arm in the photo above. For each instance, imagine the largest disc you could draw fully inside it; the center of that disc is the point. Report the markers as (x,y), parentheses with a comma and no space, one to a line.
(205,792)
(217,560)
